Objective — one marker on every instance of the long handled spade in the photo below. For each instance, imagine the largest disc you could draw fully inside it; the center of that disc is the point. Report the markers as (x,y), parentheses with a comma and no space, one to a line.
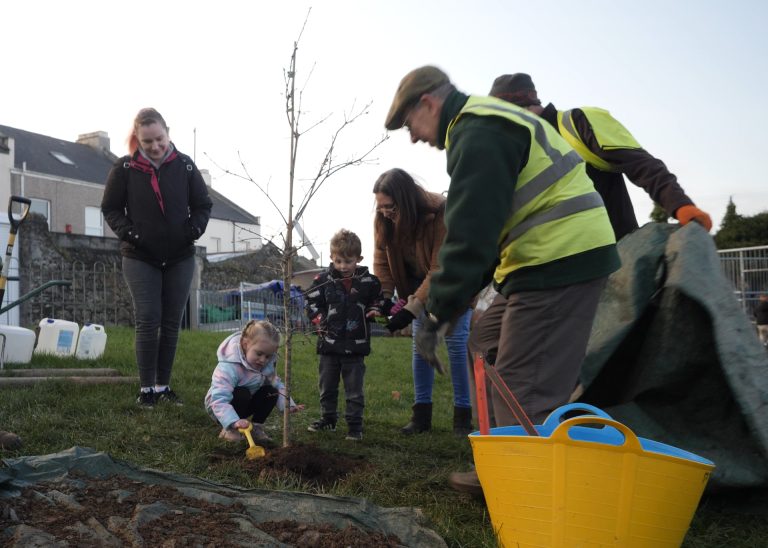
(254,451)
(15,222)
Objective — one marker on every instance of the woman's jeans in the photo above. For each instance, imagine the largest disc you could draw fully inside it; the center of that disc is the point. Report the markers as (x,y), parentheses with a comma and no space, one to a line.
(159,297)
(424,374)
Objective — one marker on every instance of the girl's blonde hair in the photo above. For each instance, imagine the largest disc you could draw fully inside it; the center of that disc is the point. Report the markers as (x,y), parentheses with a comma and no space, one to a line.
(254,328)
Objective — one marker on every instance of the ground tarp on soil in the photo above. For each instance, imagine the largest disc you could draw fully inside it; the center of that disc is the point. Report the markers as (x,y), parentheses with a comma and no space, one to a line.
(254,506)
(673,356)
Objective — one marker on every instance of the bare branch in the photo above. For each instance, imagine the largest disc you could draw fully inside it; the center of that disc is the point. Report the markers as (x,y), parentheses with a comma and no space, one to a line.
(327,166)
(310,128)
(247,177)
(304,25)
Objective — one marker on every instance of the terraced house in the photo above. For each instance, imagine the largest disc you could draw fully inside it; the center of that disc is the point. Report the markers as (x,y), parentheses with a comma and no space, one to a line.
(65,182)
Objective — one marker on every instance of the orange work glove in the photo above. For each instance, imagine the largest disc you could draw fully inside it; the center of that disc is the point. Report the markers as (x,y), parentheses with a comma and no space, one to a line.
(688,213)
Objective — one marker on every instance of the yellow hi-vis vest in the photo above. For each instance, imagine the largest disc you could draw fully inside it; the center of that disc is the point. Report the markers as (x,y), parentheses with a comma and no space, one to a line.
(556,212)
(609,132)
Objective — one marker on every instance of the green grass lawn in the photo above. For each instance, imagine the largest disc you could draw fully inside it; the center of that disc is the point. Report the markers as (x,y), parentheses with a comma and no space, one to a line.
(405,471)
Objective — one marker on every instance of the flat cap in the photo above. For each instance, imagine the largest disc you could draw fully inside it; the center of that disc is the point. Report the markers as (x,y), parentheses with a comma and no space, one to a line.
(413,85)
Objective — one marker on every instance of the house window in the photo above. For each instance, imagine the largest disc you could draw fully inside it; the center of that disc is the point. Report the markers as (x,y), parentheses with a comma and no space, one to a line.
(41,207)
(94,222)
(62,158)
(216,244)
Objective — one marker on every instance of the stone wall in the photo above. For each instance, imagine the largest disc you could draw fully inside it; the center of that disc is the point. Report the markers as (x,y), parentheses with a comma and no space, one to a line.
(97,292)
(257,267)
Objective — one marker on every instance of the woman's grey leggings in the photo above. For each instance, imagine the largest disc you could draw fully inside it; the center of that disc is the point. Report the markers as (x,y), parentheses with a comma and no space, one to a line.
(159,297)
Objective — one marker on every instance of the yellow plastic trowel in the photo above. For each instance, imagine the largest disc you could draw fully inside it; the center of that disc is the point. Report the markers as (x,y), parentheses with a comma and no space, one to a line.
(254,451)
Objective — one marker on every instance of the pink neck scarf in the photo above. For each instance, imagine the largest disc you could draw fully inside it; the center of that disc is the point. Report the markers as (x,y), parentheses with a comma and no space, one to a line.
(143,165)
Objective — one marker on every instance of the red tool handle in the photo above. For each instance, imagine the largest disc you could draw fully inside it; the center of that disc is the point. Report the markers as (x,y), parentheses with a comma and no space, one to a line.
(482,396)
(509,398)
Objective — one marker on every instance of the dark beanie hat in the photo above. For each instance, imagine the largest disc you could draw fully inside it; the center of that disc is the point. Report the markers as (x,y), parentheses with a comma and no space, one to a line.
(516,88)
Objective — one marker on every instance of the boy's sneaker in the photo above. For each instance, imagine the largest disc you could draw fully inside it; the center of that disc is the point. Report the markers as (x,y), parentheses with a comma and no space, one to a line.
(354,436)
(322,424)
(168,396)
(146,400)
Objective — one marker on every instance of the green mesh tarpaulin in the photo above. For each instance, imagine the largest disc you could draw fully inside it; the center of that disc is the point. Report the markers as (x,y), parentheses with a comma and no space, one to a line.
(673,356)
(409,524)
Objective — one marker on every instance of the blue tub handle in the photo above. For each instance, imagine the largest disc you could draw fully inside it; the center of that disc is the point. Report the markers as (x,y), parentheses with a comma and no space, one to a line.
(556,416)
(630,441)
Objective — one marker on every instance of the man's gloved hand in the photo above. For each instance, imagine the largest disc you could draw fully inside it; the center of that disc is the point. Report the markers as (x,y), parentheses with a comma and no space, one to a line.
(401,319)
(396,307)
(688,213)
(427,337)
(388,306)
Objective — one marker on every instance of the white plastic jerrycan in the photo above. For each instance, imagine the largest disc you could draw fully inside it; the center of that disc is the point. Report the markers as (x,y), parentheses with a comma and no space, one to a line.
(19,344)
(91,342)
(57,337)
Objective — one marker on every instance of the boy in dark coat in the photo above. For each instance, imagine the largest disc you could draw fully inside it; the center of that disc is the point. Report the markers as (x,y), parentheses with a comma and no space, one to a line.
(340,303)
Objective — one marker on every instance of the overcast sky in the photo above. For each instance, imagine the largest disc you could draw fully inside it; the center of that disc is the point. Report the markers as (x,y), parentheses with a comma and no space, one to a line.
(679,75)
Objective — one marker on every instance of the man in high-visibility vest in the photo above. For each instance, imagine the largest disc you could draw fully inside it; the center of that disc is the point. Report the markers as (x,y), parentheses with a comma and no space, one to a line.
(521,212)
(610,152)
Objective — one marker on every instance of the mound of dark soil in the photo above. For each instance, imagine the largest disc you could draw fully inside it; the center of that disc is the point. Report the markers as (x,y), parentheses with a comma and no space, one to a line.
(306,462)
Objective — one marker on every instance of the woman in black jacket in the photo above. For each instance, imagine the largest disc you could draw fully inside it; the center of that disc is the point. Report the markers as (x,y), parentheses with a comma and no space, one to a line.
(157,203)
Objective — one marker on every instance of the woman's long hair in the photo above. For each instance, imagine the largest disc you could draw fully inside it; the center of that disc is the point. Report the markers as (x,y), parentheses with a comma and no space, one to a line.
(413,204)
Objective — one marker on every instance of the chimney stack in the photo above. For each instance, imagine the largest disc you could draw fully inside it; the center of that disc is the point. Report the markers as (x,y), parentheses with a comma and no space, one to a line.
(206,177)
(98,140)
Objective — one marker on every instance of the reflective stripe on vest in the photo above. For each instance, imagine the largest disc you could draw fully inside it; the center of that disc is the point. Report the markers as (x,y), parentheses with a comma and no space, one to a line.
(608,132)
(561,164)
(553,185)
(563,209)
(568,131)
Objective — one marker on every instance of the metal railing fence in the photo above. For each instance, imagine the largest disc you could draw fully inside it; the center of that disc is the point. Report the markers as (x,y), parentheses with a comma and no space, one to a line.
(747,269)
(98,294)
(231,309)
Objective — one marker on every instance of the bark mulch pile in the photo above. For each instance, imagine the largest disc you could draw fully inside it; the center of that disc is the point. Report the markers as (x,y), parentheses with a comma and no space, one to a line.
(114,512)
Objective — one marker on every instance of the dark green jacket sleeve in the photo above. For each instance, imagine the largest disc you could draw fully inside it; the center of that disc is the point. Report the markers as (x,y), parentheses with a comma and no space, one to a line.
(484,160)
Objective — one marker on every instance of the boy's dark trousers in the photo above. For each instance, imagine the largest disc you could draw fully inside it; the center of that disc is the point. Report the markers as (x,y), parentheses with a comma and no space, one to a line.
(259,405)
(351,369)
